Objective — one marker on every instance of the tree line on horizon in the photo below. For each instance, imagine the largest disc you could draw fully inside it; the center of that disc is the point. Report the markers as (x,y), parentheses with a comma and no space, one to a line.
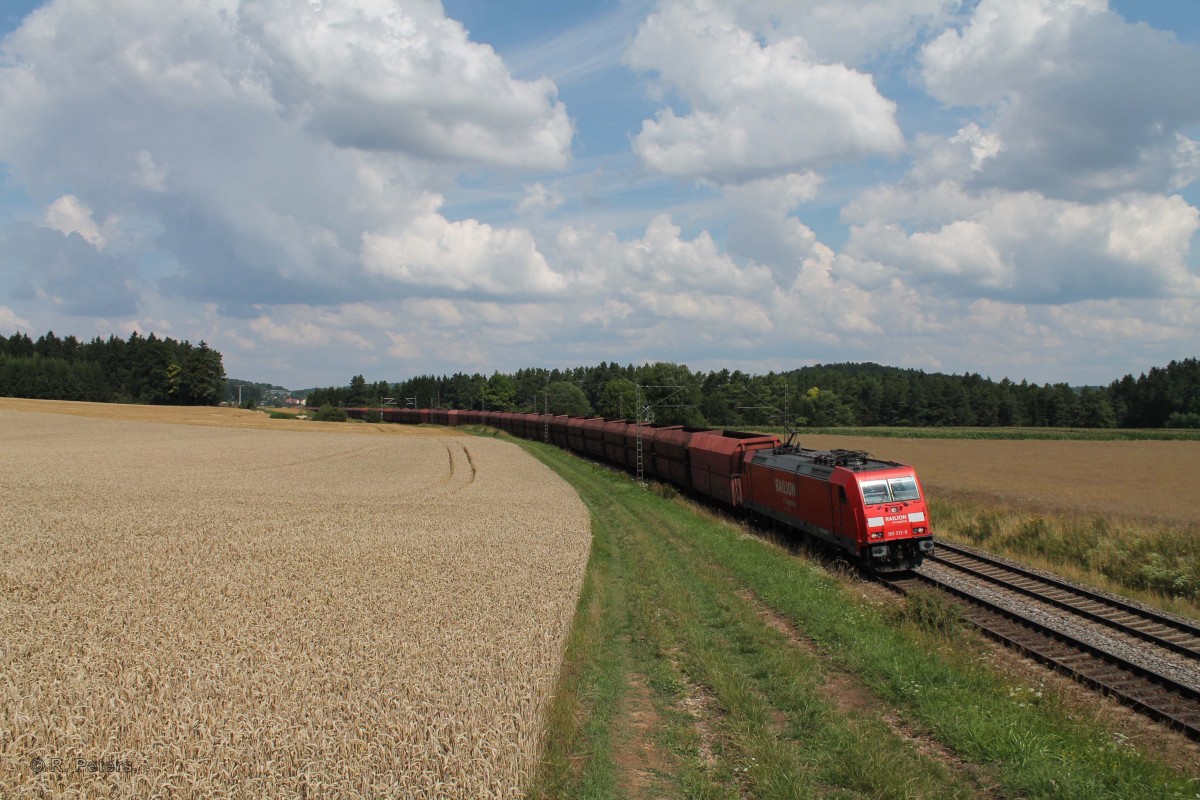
(831,395)
(140,369)
(147,369)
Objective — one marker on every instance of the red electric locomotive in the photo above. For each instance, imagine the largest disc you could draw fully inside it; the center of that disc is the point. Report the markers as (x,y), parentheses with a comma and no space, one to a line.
(874,510)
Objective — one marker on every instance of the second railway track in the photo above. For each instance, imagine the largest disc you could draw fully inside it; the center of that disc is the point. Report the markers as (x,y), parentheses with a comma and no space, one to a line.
(1147,660)
(1130,619)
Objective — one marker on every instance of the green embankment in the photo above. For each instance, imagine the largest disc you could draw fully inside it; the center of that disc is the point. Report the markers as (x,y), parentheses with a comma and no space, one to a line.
(707,663)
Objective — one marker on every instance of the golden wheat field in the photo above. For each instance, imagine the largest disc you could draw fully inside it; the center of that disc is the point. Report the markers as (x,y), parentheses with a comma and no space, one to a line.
(200,611)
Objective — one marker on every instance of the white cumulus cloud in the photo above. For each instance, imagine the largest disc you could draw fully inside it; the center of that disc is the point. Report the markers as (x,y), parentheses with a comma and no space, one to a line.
(539,199)
(1083,102)
(1028,248)
(253,146)
(10,321)
(753,108)
(382,75)
(845,31)
(67,215)
(463,256)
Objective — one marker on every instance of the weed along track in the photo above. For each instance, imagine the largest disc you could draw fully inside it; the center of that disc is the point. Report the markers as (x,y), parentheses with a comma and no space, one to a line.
(707,662)
(1145,659)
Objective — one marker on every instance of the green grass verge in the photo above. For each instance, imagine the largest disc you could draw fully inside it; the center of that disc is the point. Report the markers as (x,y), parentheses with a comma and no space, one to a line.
(673,608)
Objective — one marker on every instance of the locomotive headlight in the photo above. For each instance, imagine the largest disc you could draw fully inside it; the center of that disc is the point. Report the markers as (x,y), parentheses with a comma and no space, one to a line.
(918,530)
(876,534)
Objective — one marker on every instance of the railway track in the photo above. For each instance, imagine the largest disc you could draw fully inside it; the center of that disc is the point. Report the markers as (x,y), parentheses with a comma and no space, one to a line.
(1146,660)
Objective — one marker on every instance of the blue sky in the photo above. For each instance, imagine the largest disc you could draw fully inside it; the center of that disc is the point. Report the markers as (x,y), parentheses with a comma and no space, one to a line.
(320,189)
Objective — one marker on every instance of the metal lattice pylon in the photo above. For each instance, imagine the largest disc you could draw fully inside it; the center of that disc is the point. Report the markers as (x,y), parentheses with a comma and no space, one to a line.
(646,414)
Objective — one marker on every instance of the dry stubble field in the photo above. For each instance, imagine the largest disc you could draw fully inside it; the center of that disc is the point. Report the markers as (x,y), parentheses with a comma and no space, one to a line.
(1149,480)
(197,611)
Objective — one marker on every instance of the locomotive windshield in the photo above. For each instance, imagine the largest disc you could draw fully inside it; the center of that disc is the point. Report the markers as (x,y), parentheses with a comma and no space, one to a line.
(890,490)
(904,488)
(875,492)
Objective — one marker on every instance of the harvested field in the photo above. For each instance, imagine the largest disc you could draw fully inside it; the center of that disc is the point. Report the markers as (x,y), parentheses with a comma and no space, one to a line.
(1133,479)
(209,416)
(196,611)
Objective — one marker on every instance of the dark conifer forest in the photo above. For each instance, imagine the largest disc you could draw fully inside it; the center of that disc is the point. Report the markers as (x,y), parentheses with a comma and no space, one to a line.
(817,396)
(140,369)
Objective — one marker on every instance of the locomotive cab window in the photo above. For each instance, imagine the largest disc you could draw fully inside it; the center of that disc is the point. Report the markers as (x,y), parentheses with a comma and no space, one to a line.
(875,492)
(904,488)
(893,490)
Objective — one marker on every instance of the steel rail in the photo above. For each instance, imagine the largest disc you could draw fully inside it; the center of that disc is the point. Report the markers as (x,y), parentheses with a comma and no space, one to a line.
(1175,704)
(1178,636)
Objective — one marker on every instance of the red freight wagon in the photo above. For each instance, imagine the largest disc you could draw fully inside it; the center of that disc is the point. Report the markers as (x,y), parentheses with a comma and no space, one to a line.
(521,425)
(671,453)
(575,433)
(874,510)
(672,442)
(717,462)
(613,434)
(558,429)
(593,437)
(649,431)
(537,427)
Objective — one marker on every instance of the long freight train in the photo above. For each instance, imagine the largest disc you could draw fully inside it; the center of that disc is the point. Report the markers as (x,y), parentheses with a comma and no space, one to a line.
(873,510)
